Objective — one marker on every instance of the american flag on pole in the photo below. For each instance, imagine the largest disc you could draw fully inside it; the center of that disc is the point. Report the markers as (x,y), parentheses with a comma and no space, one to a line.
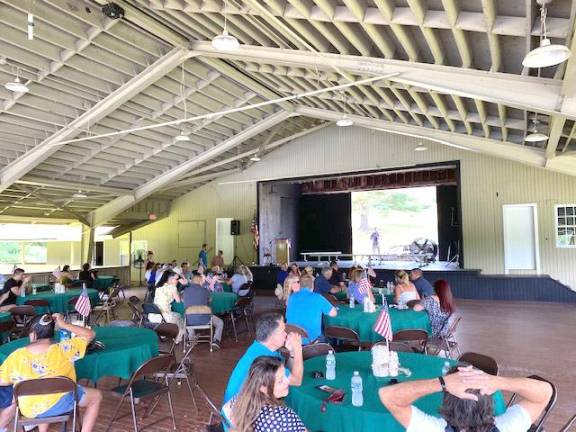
(364,286)
(82,305)
(383,326)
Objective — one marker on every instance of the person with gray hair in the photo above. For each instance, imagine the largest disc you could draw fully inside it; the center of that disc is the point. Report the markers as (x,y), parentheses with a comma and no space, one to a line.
(270,337)
(467,405)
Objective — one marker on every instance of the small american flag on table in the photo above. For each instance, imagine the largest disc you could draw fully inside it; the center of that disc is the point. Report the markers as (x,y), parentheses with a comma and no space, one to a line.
(364,286)
(83,306)
(383,326)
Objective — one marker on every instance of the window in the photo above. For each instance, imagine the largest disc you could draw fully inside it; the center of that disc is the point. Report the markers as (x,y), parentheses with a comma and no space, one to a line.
(35,253)
(10,252)
(566,225)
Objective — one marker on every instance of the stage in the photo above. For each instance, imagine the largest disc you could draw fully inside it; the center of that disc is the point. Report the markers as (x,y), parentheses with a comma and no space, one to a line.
(386,265)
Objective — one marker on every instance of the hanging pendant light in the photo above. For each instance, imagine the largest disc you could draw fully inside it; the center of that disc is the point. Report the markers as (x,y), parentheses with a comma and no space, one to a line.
(79,194)
(17,86)
(256,158)
(345,121)
(225,41)
(547,54)
(182,137)
(420,147)
(534,135)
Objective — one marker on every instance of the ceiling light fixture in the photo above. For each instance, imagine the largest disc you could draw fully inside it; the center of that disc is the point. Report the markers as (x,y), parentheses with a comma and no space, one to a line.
(79,194)
(256,158)
(17,86)
(225,41)
(182,137)
(534,135)
(547,54)
(420,147)
(30,26)
(345,121)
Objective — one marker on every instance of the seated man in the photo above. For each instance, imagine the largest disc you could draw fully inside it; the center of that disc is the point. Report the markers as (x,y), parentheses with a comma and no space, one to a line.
(423,287)
(43,359)
(306,308)
(196,295)
(270,337)
(322,283)
(337,278)
(12,288)
(468,403)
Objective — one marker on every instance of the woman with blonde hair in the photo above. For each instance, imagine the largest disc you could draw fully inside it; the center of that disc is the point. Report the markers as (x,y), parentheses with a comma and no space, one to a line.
(259,407)
(404,290)
(291,284)
(359,286)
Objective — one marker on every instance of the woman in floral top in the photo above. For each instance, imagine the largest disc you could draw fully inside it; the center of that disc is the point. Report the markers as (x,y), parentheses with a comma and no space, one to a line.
(43,359)
(166,293)
(440,307)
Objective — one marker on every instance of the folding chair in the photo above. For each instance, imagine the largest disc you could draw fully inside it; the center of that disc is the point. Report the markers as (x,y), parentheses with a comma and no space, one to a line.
(347,339)
(480,361)
(537,426)
(151,308)
(447,343)
(45,386)
(568,425)
(415,339)
(293,328)
(332,299)
(241,309)
(200,310)
(136,314)
(71,306)
(7,329)
(316,350)
(140,389)
(107,307)
(22,316)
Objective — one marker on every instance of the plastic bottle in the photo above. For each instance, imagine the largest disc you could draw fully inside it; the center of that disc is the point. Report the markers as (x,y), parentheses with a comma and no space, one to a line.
(351,301)
(356,384)
(330,366)
(446,368)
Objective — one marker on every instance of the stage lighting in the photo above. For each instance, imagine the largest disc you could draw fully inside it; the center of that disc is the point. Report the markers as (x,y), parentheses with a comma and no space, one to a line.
(113,11)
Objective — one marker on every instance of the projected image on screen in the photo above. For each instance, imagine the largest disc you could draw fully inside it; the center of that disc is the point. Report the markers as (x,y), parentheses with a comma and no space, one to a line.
(383,221)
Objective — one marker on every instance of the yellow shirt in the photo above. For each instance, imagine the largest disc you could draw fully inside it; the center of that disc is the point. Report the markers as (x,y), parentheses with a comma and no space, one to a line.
(57,361)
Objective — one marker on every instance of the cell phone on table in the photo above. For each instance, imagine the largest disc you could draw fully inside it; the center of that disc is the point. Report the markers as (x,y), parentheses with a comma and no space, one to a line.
(326,388)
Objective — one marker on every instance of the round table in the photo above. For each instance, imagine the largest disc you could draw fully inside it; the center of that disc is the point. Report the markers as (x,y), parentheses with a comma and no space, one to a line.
(363,322)
(102,283)
(126,349)
(307,399)
(58,302)
(221,303)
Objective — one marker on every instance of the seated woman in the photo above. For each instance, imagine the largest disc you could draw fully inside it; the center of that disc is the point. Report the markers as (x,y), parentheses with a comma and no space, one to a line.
(439,307)
(87,275)
(359,286)
(242,276)
(43,359)
(259,407)
(404,291)
(291,284)
(294,270)
(166,293)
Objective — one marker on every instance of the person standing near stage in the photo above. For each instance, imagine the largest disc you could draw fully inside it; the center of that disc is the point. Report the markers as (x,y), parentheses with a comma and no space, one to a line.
(203,256)
(375,238)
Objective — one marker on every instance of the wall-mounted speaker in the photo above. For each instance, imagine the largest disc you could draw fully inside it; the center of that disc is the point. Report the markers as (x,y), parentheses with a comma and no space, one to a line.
(235,227)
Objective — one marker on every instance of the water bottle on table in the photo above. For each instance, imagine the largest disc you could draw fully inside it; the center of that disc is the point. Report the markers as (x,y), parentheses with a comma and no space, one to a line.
(330,366)
(445,368)
(356,384)
(351,301)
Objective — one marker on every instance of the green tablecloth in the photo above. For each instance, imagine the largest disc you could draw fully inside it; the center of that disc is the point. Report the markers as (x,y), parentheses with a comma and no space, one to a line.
(372,416)
(221,302)
(41,287)
(5,316)
(227,288)
(126,349)
(102,283)
(362,322)
(58,302)
(389,297)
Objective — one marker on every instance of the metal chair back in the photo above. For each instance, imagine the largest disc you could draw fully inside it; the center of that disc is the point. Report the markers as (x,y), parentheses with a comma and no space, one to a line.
(480,361)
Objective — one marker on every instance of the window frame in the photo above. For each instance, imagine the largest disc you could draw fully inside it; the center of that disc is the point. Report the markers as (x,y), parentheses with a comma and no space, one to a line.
(557,226)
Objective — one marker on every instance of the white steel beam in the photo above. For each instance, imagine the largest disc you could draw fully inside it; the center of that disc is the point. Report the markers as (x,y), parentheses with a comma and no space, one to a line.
(523,92)
(59,184)
(42,151)
(118,205)
(486,146)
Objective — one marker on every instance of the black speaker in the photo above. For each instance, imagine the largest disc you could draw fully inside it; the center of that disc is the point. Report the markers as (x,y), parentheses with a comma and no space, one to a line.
(235,227)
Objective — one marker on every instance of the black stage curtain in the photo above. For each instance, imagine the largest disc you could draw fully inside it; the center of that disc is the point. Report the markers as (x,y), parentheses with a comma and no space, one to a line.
(325,223)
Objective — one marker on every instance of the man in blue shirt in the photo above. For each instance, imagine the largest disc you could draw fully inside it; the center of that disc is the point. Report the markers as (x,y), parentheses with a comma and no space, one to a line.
(270,337)
(203,256)
(306,308)
(322,283)
(424,288)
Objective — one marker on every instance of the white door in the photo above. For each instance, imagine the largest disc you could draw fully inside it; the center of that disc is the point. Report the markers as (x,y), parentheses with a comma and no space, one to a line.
(521,237)
(224,240)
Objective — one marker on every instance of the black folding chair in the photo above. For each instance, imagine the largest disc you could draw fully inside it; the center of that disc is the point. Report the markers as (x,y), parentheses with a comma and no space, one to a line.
(537,426)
